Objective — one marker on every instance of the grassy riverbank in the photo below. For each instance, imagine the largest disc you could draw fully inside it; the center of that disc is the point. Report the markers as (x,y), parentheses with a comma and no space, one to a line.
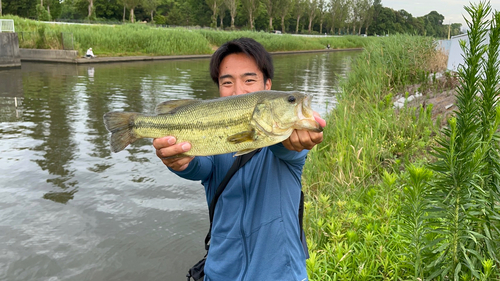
(376,209)
(353,201)
(141,39)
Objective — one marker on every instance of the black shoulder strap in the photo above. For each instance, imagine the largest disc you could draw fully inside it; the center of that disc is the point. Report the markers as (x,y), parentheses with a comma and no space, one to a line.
(239,162)
(301,225)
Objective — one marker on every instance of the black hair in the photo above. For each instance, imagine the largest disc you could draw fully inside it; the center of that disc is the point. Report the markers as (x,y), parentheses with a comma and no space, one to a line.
(247,46)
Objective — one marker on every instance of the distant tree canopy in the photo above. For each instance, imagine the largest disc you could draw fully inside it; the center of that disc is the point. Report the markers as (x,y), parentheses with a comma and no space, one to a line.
(302,16)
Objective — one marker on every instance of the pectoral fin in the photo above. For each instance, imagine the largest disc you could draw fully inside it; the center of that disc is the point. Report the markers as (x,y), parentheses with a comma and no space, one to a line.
(170,107)
(242,137)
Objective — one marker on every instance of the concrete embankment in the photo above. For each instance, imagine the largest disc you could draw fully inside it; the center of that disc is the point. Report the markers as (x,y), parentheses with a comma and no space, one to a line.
(60,56)
(42,55)
(9,50)
(11,55)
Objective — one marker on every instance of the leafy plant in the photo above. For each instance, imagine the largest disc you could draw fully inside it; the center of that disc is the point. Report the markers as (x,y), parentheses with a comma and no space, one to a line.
(465,191)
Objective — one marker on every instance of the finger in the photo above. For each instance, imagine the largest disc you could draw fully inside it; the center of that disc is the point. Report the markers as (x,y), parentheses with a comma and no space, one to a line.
(166,152)
(159,143)
(304,140)
(177,164)
(294,140)
(316,137)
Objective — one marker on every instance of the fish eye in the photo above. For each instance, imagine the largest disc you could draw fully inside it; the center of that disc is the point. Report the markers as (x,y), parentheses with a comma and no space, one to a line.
(291,99)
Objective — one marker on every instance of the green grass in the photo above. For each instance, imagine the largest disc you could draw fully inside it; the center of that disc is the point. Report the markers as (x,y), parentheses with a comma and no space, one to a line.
(287,42)
(374,208)
(141,39)
(354,200)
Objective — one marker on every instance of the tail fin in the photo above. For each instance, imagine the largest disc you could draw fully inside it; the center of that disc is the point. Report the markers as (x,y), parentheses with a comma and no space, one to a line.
(120,124)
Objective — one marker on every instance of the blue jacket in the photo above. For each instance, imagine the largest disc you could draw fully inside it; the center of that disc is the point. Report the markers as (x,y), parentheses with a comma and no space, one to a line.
(255,231)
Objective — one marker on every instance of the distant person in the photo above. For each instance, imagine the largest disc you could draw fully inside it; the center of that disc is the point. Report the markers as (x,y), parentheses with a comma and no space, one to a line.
(89,53)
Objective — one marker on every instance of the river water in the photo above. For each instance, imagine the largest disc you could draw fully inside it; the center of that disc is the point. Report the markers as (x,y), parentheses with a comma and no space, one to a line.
(72,210)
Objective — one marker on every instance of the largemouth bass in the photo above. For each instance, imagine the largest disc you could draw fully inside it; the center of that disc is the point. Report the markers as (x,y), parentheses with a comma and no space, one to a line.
(239,123)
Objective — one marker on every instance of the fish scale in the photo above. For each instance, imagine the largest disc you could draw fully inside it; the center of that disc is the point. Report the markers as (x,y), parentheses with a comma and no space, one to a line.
(237,123)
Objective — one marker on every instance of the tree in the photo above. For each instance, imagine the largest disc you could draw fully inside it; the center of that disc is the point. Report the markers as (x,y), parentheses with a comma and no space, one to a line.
(321,10)
(365,12)
(358,8)
(232,5)
(131,4)
(222,13)
(42,13)
(271,10)
(312,6)
(339,10)
(0,7)
(150,6)
(55,12)
(434,24)
(369,14)
(283,7)
(91,9)
(214,6)
(251,8)
(377,8)
(108,9)
(195,12)
(456,28)
(383,23)
(300,6)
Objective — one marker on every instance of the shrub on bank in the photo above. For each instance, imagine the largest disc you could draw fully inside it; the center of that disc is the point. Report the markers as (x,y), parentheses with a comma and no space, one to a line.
(353,199)
(375,209)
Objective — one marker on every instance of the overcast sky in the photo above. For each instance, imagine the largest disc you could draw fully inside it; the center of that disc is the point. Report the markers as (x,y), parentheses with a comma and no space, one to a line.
(452,10)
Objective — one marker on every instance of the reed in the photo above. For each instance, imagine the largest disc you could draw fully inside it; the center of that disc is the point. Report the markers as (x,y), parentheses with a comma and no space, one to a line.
(286,42)
(353,179)
(141,39)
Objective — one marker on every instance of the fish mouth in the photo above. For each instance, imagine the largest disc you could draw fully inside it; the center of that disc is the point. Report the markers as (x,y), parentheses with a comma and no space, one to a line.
(306,116)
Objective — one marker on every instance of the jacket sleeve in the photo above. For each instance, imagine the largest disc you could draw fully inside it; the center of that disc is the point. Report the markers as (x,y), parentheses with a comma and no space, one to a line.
(291,156)
(200,168)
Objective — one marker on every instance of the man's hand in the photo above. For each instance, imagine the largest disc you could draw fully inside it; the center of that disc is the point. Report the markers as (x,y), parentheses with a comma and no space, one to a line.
(302,139)
(166,148)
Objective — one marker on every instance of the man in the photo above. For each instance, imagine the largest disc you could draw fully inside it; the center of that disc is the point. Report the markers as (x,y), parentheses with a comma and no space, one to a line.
(255,231)
(89,53)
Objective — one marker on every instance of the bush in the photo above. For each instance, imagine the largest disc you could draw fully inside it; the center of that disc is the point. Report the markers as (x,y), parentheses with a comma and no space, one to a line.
(42,13)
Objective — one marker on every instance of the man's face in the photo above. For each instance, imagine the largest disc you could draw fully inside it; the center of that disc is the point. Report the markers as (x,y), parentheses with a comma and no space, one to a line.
(239,74)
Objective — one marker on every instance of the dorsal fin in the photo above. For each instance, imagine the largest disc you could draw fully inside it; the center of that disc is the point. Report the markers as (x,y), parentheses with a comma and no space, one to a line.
(171,106)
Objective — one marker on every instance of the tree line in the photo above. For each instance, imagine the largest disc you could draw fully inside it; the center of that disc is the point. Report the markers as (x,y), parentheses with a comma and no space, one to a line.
(339,17)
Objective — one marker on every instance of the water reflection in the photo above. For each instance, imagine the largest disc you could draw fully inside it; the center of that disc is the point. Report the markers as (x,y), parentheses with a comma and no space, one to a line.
(11,95)
(314,74)
(70,209)
(48,103)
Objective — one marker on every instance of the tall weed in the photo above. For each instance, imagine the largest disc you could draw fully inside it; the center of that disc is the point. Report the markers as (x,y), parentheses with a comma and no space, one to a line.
(465,197)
